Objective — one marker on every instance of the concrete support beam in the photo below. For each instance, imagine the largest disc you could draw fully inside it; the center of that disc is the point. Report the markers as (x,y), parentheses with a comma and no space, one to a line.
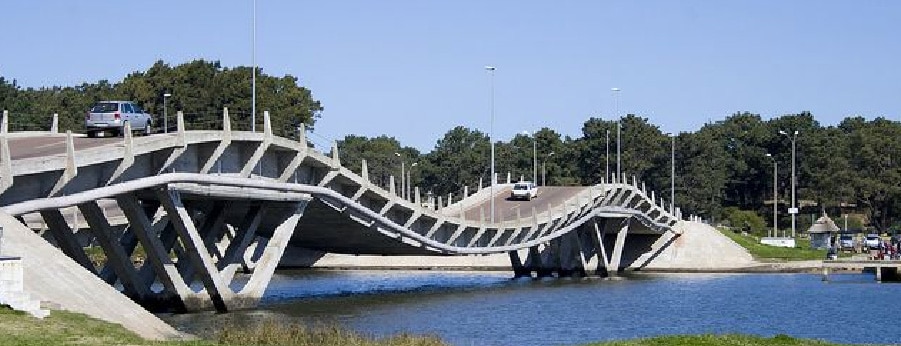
(616,259)
(71,167)
(255,158)
(65,238)
(218,291)
(223,143)
(516,262)
(598,239)
(243,237)
(157,255)
(54,126)
(180,129)
(267,263)
(128,155)
(116,257)
(336,160)
(291,169)
(6,168)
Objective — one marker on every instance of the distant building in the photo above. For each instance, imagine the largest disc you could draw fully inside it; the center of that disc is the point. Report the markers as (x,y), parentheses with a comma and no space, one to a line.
(821,232)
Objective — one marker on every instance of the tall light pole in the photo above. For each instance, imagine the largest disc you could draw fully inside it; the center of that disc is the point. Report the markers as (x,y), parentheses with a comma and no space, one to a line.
(775,196)
(618,127)
(794,209)
(410,181)
(402,175)
(253,77)
(165,113)
(491,70)
(607,157)
(544,169)
(672,189)
(534,155)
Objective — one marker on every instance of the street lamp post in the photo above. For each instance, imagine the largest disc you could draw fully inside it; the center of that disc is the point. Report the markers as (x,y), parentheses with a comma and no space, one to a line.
(544,169)
(253,77)
(402,175)
(607,157)
(618,128)
(534,156)
(672,191)
(410,182)
(165,113)
(491,70)
(794,209)
(775,196)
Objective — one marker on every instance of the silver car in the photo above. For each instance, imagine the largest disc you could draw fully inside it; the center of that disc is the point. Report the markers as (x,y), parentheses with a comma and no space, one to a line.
(112,116)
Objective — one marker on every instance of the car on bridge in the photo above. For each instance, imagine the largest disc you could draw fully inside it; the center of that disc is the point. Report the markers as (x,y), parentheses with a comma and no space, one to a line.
(113,115)
(524,190)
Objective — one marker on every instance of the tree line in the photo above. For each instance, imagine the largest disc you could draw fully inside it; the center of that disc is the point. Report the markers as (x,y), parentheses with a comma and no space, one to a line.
(200,89)
(852,167)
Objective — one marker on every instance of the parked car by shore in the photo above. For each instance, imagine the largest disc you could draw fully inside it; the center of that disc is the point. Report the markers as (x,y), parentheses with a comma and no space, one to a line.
(872,241)
(846,242)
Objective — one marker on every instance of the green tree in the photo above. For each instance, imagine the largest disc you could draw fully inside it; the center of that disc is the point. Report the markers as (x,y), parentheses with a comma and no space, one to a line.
(460,158)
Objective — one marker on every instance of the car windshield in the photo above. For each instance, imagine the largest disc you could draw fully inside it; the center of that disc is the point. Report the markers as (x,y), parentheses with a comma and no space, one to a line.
(845,237)
(520,187)
(104,107)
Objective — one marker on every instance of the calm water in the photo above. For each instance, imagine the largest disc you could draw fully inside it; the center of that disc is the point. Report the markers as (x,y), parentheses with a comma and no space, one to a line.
(478,308)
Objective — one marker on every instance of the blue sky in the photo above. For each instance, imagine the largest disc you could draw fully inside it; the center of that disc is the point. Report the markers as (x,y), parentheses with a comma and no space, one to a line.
(414,69)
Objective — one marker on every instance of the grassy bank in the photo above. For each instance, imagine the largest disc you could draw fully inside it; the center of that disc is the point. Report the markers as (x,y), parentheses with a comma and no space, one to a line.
(65,328)
(717,340)
(801,251)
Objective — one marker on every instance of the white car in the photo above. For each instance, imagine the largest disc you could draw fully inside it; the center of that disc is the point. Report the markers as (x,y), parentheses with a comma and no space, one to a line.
(113,115)
(524,190)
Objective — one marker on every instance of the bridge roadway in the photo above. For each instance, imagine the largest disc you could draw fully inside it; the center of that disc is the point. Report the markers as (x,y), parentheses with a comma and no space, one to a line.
(507,208)
(232,201)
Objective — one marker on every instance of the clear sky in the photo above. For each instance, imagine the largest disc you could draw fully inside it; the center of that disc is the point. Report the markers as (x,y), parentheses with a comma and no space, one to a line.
(414,69)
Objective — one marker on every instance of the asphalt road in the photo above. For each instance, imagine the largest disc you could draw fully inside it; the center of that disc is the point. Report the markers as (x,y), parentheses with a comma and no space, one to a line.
(505,208)
(28,147)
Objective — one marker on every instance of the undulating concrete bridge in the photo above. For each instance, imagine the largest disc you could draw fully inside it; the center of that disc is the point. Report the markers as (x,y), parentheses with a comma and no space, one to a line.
(202,206)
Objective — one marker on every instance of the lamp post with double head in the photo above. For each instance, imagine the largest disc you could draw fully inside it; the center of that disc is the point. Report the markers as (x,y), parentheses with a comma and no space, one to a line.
(775,195)
(491,70)
(794,208)
(166,113)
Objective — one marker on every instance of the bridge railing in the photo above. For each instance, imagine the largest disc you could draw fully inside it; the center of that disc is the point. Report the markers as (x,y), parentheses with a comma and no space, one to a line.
(15,122)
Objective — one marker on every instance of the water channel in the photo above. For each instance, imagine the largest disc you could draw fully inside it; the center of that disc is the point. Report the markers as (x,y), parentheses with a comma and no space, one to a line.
(489,308)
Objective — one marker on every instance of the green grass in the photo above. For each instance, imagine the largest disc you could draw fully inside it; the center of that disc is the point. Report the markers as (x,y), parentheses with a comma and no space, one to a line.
(801,251)
(66,328)
(716,340)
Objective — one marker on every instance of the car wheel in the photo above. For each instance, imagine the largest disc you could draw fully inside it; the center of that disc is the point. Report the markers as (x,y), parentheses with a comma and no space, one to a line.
(92,134)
